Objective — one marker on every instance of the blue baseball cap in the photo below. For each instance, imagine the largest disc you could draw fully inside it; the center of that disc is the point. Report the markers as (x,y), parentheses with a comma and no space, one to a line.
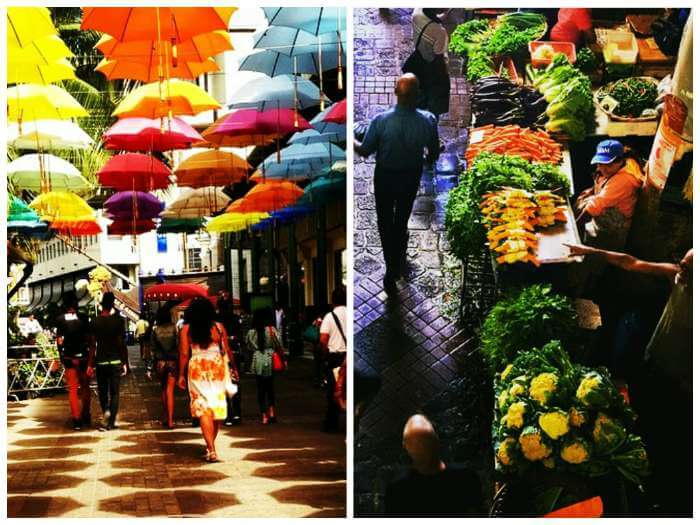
(607,151)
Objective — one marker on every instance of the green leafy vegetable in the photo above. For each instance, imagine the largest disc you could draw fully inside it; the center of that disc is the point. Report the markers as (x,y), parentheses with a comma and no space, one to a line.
(586,60)
(633,95)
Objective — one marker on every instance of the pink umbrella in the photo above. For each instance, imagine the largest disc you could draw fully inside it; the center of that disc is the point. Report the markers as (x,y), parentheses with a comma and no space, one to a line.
(338,113)
(250,127)
(145,134)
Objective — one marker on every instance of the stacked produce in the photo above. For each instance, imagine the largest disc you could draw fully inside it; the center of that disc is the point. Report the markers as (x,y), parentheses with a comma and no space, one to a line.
(535,146)
(490,172)
(497,100)
(633,96)
(555,415)
(511,216)
(568,92)
(586,60)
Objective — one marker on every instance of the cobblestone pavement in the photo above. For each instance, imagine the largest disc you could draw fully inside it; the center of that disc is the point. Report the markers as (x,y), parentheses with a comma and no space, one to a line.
(288,470)
(418,353)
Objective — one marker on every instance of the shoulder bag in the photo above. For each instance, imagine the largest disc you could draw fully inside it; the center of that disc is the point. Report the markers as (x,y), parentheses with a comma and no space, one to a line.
(230,387)
(278,362)
(415,63)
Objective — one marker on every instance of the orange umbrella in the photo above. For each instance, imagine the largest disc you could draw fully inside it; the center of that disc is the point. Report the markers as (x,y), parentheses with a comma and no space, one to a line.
(196,49)
(267,196)
(174,24)
(160,99)
(211,168)
(116,69)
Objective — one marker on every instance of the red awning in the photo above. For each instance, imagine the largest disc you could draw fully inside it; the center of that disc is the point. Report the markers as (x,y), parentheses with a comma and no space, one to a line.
(174,292)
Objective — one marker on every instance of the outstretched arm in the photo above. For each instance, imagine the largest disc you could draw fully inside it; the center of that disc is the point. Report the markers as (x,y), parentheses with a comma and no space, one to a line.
(628,262)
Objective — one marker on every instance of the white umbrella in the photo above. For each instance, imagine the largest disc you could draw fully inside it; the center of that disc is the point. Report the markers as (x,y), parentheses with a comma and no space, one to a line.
(196,203)
(41,171)
(47,135)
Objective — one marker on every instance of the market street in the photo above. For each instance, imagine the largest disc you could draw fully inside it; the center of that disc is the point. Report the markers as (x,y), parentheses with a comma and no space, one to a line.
(291,469)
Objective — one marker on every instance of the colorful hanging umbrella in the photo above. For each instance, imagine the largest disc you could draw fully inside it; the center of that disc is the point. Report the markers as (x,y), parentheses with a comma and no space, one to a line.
(47,135)
(42,51)
(250,127)
(130,227)
(144,134)
(66,213)
(320,125)
(324,190)
(272,63)
(123,69)
(174,24)
(169,225)
(278,92)
(174,292)
(196,49)
(211,168)
(337,112)
(42,172)
(199,202)
(26,102)
(134,172)
(316,155)
(76,226)
(284,171)
(314,20)
(233,222)
(25,24)
(168,98)
(291,41)
(268,196)
(133,205)
(43,74)
(311,136)
(23,220)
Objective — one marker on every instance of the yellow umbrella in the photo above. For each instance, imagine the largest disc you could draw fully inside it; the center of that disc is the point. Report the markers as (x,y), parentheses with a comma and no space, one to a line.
(168,98)
(60,205)
(39,73)
(27,102)
(44,50)
(25,24)
(233,222)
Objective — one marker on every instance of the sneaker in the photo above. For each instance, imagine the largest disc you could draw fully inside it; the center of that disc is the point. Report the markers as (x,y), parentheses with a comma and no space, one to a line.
(77,425)
(236,420)
(228,423)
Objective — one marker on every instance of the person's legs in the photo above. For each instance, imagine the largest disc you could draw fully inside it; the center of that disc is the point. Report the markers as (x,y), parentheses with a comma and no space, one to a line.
(73,384)
(262,396)
(114,380)
(102,375)
(84,381)
(385,200)
(206,423)
(170,399)
(405,197)
(333,410)
(270,391)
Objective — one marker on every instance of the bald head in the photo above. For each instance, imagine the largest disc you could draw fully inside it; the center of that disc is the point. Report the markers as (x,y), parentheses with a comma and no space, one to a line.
(406,89)
(421,442)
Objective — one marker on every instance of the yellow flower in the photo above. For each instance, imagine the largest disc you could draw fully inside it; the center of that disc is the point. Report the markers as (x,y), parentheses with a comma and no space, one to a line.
(517,389)
(587,384)
(514,416)
(505,372)
(502,399)
(542,387)
(574,453)
(576,417)
(548,463)
(532,446)
(100,274)
(504,448)
(554,424)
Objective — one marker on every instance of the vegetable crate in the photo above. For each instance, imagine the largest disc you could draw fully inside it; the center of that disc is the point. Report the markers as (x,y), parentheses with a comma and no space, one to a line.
(479,291)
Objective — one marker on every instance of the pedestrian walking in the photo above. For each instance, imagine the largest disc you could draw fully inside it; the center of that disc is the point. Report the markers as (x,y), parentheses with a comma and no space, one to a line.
(108,358)
(164,356)
(399,137)
(141,333)
(334,344)
(263,340)
(72,339)
(205,353)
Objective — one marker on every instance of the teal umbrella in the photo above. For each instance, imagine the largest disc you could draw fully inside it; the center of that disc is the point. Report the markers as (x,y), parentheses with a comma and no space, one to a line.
(323,190)
(180,225)
(273,63)
(316,155)
(291,41)
(311,136)
(276,92)
(314,20)
(24,220)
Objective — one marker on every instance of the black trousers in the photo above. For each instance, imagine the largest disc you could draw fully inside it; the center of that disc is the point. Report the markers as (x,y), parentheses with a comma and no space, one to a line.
(108,379)
(333,360)
(394,193)
(266,392)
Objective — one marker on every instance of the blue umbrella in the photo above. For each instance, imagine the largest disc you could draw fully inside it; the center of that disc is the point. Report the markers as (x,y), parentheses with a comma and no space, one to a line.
(277,92)
(318,154)
(36,229)
(314,20)
(322,126)
(290,41)
(272,63)
(311,136)
(323,190)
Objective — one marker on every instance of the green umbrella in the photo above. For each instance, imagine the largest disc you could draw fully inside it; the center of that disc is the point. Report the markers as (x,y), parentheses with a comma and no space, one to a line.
(323,190)
(180,225)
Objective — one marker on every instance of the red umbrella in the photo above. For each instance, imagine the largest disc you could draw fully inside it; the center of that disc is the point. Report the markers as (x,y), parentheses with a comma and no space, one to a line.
(213,299)
(145,134)
(338,113)
(250,127)
(134,172)
(130,227)
(175,292)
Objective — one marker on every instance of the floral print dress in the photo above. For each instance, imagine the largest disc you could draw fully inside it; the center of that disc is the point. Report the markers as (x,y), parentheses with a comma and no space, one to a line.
(206,378)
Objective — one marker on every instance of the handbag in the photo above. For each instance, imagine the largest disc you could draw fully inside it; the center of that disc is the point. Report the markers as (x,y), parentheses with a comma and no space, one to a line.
(312,334)
(230,387)
(278,362)
(415,63)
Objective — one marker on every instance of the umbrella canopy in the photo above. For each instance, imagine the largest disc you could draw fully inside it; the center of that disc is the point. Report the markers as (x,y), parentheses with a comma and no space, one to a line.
(311,136)
(272,63)
(175,24)
(160,99)
(169,225)
(193,203)
(55,205)
(195,49)
(284,171)
(27,102)
(337,112)
(39,73)
(314,20)
(323,190)
(174,292)
(18,210)
(268,196)
(249,127)
(233,222)
(42,51)
(133,205)
(145,134)
(130,227)
(211,168)
(25,24)
(316,155)
(265,93)
(23,220)
(76,226)
(40,171)
(134,171)
(121,69)
(291,41)
(320,125)
(47,134)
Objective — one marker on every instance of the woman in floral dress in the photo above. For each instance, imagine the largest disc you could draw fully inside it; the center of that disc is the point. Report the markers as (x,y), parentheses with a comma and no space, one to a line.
(204,350)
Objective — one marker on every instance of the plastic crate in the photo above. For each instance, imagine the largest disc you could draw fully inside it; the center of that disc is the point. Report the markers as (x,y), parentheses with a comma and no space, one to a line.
(567,48)
(620,48)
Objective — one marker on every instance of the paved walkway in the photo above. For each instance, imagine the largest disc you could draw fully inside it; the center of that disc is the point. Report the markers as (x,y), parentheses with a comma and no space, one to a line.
(417,352)
(288,470)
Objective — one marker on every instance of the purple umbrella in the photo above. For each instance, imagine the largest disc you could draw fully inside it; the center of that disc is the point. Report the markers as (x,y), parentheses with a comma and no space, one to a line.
(133,205)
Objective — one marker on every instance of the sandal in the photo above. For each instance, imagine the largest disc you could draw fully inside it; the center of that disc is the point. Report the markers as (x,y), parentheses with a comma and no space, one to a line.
(212,458)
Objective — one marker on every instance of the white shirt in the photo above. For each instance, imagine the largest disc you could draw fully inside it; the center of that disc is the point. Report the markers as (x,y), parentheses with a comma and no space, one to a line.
(279,317)
(328,326)
(435,39)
